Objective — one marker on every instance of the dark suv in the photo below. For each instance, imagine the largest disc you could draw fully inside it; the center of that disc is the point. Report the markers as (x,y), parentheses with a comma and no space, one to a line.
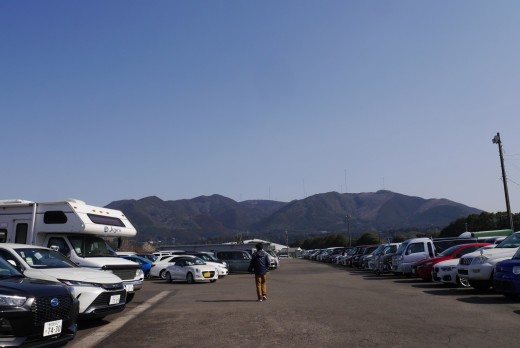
(34,313)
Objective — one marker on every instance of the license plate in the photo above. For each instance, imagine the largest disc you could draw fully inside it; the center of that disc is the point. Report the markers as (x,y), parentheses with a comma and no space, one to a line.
(52,328)
(206,274)
(129,287)
(114,299)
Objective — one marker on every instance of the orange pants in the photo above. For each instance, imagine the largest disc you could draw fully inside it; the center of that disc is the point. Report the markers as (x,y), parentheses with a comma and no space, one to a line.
(261,285)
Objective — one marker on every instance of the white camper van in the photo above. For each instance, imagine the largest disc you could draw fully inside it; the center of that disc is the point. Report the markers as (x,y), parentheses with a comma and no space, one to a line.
(75,229)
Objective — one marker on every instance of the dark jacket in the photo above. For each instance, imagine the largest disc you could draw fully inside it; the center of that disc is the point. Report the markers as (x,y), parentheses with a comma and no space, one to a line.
(259,263)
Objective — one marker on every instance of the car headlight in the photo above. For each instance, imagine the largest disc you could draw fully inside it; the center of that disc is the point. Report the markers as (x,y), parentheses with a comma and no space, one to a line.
(516,270)
(197,270)
(78,283)
(479,260)
(12,301)
(448,268)
(139,273)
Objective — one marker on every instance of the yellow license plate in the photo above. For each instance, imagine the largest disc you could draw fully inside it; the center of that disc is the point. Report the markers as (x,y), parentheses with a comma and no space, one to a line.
(206,274)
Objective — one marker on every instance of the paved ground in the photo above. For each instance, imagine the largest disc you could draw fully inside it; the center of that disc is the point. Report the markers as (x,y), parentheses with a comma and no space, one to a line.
(310,305)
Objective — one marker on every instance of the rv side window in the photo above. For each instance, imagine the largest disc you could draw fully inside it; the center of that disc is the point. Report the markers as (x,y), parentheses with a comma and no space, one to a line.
(3,235)
(54,217)
(105,220)
(21,233)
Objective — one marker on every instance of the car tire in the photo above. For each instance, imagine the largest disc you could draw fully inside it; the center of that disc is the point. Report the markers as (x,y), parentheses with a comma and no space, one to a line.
(148,275)
(162,274)
(212,280)
(168,277)
(189,278)
(464,282)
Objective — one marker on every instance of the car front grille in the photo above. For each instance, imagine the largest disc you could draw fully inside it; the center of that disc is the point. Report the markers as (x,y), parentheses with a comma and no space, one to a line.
(43,311)
(104,299)
(466,261)
(125,274)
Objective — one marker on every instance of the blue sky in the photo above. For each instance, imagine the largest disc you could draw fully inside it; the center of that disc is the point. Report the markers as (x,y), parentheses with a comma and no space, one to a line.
(109,100)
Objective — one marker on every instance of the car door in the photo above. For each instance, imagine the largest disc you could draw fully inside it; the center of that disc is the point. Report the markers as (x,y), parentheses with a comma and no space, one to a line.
(177,269)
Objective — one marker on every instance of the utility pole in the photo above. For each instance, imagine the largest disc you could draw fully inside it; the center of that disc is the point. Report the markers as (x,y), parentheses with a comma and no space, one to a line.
(496,140)
(347,222)
(287,242)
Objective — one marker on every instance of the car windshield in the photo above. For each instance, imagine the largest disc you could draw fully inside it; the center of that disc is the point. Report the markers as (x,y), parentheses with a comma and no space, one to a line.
(7,270)
(90,246)
(44,258)
(402,248)
(449,251)
(195,261)
(513,241)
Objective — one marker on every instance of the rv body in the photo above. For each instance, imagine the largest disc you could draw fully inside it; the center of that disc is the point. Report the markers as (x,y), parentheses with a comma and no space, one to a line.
(77,230)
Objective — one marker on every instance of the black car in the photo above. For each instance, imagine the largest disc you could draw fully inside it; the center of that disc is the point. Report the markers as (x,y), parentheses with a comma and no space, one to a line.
(34,313)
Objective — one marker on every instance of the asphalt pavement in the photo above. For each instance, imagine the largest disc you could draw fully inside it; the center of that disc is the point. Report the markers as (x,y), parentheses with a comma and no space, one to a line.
(309,304)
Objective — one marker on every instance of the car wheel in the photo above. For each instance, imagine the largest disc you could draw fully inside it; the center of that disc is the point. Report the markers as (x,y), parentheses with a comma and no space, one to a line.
(148,275)
(130,297)
(168,277)
(162,274)
(212,280)
(189,278)
(464,282)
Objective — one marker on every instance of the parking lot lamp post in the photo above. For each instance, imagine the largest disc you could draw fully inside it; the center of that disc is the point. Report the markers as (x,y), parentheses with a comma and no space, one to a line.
(496,140)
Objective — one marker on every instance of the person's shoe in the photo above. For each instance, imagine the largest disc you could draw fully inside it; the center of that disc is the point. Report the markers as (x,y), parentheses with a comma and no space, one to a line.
(264,298)
(259,300)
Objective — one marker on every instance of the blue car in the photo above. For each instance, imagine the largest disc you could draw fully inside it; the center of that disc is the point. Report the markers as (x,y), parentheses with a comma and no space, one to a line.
(506,280)
(145,264)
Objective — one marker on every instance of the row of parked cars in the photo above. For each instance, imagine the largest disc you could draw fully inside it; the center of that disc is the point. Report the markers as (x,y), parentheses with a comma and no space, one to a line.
(464,262)
(197,266)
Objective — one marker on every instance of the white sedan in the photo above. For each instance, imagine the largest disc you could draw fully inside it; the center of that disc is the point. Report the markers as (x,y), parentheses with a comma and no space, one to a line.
(446,272)
(159,267)
(191,269)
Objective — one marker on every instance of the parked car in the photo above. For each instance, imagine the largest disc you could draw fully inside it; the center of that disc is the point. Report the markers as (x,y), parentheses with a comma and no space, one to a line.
(446,271)
(274,260)
(146,264)
(479,266)
(100,293)
(423,268)
(383,261)
(191,270)
(34,312)
(159,267)
(220,265)
(506,279)
(363,251)
(237,260)
(411,251)
(150,257)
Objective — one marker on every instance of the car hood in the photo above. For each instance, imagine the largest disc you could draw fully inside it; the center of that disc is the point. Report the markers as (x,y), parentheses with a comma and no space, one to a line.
(494,253)
(99,262)
(449,262)
(77,274)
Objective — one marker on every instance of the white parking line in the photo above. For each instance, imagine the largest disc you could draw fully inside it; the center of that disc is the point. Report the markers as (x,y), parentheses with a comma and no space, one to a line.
(93,339)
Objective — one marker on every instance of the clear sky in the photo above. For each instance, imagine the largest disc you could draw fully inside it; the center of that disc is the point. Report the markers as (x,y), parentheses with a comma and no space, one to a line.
(272,99)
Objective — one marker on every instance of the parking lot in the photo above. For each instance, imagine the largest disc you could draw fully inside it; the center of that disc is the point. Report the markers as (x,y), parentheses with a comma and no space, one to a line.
(309,305)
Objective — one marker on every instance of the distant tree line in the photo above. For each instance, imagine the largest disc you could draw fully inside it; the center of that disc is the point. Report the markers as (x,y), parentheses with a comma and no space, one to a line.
(472,223)
(480,222)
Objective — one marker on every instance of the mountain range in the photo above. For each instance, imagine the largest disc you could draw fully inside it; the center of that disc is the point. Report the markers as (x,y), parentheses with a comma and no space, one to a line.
(217,218)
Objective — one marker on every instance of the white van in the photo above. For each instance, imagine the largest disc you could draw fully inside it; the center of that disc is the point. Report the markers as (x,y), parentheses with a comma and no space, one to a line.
(409,252)
(77,230)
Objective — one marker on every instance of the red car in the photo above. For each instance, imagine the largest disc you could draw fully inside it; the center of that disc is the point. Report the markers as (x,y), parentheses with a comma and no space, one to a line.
(423,268)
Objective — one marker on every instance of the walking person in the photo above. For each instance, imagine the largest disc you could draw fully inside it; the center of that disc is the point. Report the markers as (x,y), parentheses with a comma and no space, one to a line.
(259,265)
